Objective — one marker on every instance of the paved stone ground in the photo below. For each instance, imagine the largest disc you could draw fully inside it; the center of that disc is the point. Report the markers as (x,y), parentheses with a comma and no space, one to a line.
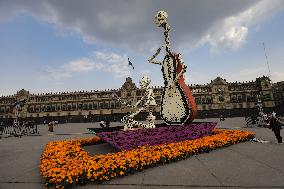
(244,165)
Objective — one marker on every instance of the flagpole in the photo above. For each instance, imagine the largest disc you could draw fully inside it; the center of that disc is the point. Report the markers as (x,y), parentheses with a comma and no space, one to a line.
(264,49)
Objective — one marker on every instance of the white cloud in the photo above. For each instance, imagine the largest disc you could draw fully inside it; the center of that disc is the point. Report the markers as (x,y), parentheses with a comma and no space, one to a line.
(231,31)
(56,73)
(80,65)
(104,61)
(220,23)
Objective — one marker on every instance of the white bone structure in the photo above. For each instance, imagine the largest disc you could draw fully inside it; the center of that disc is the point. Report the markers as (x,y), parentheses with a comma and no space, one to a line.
(161,19)
(149,105)
(175,107)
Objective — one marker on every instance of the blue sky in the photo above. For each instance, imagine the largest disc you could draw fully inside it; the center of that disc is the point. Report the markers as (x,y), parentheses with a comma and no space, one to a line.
(53,47)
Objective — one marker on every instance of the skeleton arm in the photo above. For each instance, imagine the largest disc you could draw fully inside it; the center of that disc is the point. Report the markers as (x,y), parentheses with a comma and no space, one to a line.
(137,112)
(183,70)
(150,93)
(151,59)
(139,101)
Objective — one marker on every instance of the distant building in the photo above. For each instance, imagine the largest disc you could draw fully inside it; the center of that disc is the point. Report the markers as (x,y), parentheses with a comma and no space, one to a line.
(278,93)
(217,97)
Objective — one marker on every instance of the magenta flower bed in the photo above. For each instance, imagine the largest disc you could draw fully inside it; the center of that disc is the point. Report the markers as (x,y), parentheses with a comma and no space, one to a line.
(126,140)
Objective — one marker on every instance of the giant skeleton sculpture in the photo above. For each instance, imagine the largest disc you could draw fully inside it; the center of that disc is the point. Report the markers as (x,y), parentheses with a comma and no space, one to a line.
(178,105)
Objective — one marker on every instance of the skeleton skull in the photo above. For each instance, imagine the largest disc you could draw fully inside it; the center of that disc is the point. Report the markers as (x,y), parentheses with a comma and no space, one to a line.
(161,18)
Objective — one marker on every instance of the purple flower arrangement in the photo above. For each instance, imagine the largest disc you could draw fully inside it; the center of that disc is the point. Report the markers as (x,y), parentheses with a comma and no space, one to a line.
(127,140)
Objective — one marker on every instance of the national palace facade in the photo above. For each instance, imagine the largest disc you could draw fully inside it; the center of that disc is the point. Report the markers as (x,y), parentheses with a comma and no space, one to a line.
(217,97)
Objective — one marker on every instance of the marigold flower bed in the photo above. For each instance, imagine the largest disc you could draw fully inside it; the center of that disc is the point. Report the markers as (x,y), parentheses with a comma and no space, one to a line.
(65,163)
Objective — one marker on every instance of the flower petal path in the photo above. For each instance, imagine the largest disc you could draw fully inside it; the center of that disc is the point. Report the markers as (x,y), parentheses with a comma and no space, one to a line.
(65,163)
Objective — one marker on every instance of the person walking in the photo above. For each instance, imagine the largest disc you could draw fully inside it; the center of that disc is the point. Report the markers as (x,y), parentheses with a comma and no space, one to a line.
(276,127)
(50,126)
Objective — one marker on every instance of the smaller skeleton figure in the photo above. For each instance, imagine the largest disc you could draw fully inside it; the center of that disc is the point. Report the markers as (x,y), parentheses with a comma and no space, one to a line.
(149,105)
(262,115)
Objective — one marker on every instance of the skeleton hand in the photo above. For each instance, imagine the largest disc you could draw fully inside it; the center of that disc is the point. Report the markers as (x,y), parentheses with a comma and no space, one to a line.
(131,116)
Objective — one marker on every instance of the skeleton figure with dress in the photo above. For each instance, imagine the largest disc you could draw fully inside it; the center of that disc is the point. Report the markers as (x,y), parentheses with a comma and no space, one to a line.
(178,105)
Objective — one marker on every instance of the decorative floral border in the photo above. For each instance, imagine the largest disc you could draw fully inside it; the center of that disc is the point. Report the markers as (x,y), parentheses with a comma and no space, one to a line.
(65,163)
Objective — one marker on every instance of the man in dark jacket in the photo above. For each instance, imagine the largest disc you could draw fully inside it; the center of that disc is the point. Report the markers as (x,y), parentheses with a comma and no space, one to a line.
(276,127)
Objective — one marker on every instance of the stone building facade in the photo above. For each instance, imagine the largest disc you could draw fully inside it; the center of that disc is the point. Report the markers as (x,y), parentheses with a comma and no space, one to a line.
(278,93)
(217,97)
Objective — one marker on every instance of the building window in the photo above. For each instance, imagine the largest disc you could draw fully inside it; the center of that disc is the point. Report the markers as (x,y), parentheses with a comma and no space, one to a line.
(240,105)
(208,99)
(112,105)
(74,106)
(117,105)
(221,99)
(80,106)
(266,97)
(101,105)
(43,109)
(239,97)
(85,106)
(95,105)
(31,109)
(197,100)
(248,98)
